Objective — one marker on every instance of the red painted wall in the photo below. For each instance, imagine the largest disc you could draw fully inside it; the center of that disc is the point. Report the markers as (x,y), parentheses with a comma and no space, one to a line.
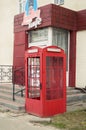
(64,18)
(81,20)
(52,15)
(72,59)
(20,46)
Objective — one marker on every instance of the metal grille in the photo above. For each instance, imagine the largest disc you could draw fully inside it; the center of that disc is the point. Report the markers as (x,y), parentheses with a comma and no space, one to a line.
(5,74)
(15,75)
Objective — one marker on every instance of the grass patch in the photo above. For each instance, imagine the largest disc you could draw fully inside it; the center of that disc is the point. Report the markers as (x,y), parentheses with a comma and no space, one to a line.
(57,125)
(70,120)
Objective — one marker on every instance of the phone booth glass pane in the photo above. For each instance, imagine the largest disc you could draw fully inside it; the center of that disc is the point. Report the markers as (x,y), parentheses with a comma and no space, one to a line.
(34,78)
(54,78)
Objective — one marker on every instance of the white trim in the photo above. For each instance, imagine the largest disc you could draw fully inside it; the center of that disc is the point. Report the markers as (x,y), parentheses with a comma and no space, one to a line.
(49,36)
(54,49)
(40,43)
(32,51)
(67,72)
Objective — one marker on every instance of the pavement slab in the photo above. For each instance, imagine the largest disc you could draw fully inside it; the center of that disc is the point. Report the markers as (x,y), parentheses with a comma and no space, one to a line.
(12,121)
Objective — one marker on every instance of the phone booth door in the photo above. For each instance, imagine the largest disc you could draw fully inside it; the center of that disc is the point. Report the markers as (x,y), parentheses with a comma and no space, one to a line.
(54,81)
(55,88)
(33,84)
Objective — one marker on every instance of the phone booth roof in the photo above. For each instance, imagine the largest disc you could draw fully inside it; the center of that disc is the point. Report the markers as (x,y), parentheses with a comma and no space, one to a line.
(51,49)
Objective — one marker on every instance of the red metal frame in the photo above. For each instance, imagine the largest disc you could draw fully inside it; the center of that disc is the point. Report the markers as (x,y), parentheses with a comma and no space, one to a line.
(50,98)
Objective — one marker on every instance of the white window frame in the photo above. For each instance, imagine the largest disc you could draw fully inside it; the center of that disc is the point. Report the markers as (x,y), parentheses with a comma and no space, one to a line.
(21,6)
(41,43)
(59,2)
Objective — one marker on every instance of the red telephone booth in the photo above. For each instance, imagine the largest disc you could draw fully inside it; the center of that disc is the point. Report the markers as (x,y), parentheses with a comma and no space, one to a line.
(45,80)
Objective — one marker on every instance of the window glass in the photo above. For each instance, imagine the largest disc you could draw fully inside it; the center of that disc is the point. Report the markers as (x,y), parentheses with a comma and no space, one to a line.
(60,39)
(34,78)
(59,2)
(54,77)
(31,2)
(22,5)
(39,35)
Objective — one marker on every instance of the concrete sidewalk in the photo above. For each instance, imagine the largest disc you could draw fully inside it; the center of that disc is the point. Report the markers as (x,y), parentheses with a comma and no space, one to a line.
(24,121)
(12,121)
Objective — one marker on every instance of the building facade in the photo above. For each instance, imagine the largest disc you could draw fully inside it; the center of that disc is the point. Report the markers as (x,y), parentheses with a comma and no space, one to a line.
(63,24)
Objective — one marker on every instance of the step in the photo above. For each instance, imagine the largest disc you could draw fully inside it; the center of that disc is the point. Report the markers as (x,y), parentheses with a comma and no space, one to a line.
(6,92)
(70,92)
(76,97)
(73,91)
(6,86)
(10,87)
(7,97)
(10,92)
(12,105)
(72,106)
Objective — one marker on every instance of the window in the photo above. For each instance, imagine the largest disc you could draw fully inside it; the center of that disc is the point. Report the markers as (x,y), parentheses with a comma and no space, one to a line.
(39,35)
(34,78)
(31,2)
(22,5)
(59,2)
(60,38)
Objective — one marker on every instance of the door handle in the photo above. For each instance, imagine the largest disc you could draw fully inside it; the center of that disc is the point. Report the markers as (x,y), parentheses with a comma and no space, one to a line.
(40,85)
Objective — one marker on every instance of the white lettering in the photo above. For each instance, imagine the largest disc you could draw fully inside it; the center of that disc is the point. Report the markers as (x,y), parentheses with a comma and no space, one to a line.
(35,23)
